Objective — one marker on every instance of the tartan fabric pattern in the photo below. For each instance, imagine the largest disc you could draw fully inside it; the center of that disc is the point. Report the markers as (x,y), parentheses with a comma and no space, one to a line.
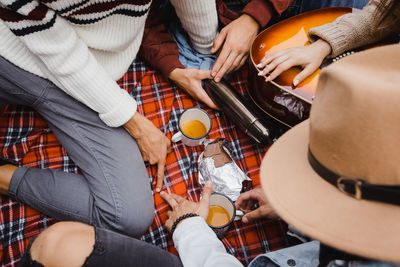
(26,140)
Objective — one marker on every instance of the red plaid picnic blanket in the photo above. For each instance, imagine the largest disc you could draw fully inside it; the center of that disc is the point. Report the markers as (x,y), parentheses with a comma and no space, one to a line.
(26,139)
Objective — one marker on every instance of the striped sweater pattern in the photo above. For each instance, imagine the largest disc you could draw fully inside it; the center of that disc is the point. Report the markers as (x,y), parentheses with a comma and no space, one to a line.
(83,46)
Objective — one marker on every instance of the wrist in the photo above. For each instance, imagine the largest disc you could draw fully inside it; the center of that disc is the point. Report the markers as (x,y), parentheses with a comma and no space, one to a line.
(132,126)
(181,219)
(323,46)
(250,21)
(175,74)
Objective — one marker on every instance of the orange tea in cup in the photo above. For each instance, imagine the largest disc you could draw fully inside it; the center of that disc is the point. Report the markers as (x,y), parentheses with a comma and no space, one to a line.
(194,129)
(217,216)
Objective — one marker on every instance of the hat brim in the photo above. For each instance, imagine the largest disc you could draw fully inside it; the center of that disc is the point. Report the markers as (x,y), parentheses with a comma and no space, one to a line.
(318,209)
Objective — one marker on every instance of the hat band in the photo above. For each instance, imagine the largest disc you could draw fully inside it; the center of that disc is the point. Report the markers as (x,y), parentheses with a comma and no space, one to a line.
(356,188)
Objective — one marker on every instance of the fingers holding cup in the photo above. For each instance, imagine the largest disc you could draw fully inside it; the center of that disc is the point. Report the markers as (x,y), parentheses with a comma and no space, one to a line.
(205,199)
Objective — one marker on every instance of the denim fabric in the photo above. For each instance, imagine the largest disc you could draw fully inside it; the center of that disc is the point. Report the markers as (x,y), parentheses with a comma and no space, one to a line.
(112,192)
(307,255)
(307,5)
(362,264)
(189,57)
(304,255)
(301,6)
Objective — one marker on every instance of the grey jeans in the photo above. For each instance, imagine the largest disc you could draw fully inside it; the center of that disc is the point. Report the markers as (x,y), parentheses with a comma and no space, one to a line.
(113,191)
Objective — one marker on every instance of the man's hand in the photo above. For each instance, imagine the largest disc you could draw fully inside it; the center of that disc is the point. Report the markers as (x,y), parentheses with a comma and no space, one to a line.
(181,206)
(246,202)
(236,38)
(190,81)
(153,144)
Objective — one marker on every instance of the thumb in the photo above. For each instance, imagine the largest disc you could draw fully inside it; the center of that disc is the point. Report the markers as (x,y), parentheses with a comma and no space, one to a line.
(207,190)
(218,41)
(251,216)
(204,74)
(204,97)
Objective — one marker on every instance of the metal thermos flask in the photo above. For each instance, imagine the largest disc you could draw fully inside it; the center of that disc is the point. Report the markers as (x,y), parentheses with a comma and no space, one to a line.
(241,111)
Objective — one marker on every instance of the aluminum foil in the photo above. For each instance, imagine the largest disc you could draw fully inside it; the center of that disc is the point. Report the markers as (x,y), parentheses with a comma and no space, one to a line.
(216,164)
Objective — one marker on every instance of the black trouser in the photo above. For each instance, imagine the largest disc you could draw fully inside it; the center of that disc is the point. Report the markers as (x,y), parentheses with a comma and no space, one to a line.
(113,249)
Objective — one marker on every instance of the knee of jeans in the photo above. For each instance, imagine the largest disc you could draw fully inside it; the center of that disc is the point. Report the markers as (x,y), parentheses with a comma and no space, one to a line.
(129,206)
(51,245)
(136,218)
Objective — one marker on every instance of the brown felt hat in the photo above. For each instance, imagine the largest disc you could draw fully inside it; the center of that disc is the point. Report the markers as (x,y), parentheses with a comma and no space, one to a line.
(352,139)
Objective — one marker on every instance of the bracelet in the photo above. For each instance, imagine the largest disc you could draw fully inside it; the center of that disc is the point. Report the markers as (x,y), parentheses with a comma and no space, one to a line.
(185,216)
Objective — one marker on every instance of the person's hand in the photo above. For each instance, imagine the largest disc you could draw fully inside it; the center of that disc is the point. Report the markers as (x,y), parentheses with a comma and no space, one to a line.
(308,57)
(190,81)
(246,202)
(181,206)
(236,39)
(153,144)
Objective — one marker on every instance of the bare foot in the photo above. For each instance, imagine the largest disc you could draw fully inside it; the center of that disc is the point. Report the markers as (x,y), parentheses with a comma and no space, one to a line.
(6,172)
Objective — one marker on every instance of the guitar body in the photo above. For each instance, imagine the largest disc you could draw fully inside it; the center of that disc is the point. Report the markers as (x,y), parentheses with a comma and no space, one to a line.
(279,99)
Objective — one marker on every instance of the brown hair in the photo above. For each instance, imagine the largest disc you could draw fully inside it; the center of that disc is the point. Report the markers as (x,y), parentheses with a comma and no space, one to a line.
(387,13)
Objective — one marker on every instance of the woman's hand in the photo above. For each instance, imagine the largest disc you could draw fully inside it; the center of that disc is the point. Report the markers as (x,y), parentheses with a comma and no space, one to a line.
(246,202)
(190,81)
(181,206)
(308,57)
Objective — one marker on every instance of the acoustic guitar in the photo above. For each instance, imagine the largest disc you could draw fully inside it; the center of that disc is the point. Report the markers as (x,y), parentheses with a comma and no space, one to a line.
(279,99)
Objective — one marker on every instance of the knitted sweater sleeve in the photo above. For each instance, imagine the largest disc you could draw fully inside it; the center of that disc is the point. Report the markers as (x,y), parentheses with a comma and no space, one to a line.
(67,60)
(351,31)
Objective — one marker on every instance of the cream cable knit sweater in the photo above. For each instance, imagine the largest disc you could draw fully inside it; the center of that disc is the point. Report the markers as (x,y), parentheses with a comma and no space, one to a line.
(81,46)
(352,30)
(84,46)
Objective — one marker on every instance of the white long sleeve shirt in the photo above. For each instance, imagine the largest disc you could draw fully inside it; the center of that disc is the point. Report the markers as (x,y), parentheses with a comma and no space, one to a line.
(198,245)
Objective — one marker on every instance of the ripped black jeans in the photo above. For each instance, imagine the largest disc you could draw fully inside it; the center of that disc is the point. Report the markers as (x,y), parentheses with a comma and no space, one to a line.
(114,249)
